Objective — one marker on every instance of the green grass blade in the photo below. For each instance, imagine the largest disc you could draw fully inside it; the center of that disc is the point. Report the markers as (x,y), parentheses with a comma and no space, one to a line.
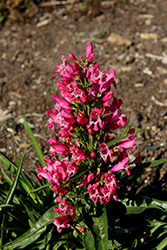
(6,176)
(38,189)
(162,245)
(34,144)
(13,186)
(8,163)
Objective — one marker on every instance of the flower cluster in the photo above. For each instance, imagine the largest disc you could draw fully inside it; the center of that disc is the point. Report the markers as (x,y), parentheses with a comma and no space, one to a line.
(85,116)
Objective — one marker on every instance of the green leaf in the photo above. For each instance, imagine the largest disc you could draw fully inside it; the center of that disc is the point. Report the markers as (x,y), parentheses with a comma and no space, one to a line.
(65,239)
(6,205)
(6,176)
(136,204)
(7,163)
(154,163)
(34,144)
(100,230)
(88,241)
(35,232)
(143,165)
(14,184)
(162,245)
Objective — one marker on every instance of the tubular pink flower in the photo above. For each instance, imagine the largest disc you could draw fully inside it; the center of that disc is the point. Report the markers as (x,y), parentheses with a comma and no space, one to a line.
(59,148)
(43,173)
(87,179)
(68,115)
(108,96)
(94,119)
(120,165)
(93,154)
(105,194)
(63,133)
(62,221)
(78,94)
(63,104)
(110,182)
(72,57)
(104,85)
(89,52)
(71,167)
(105,151)
(78,155)
(53,118)
(65,69)
(82,120)
(72,212)
(63,206)
(93,192)
(128,142)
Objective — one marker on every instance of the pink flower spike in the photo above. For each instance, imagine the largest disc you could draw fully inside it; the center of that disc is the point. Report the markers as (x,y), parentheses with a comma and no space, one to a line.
(105,151)
(120,165)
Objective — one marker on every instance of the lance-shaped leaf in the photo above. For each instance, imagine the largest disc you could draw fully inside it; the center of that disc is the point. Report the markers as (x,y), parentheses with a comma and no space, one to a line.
(100,230)
(88,241)
(136,204)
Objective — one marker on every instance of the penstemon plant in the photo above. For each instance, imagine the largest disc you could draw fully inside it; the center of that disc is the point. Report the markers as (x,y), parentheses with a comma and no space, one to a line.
(86,196)
(86,118)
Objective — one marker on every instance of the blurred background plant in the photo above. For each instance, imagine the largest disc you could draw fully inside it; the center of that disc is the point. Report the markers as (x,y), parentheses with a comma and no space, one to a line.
(17,10)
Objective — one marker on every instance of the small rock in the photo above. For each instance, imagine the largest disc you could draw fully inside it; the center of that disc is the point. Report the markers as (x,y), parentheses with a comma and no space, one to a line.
(164,40)
(147,71)
(6,117)
(139,85)
(161,70)
(148,22)
(43,23)
(130,58)
(125,69)
(165,81)
(154,28)
(149,36)
(4,56)
(3,80)
(121,57)
(120,40)
(10,130)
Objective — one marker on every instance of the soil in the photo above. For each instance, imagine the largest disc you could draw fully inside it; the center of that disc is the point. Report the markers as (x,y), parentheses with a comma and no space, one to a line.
(30,50)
